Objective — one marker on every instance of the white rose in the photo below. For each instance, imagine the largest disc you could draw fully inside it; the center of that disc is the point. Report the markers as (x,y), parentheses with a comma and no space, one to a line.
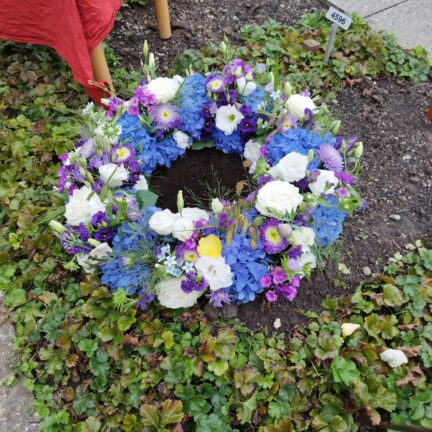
(182,139)
(170,294)
(296,104)
(81,208)
(245,88)
(113,175)
(349,328)
(162,222)
(216,271)
(304,236)
(394,358)
(165,89)
(227,118)
(216,206)
(277,199)
(194,214)
(89,261)
(183,229)
(325,183)
(141,184)
(291,168)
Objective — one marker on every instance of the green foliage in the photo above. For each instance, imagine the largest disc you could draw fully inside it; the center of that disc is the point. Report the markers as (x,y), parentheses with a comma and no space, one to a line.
(359,52)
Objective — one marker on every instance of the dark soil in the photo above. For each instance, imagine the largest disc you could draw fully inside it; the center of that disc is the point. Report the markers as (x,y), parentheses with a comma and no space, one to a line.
(387,115)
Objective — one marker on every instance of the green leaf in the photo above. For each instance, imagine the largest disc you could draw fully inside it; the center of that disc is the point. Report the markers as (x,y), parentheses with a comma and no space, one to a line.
(168,338)
(172,412)
(124,323)
(344,371)
(218,367)
(149,415)
(199,145)
(146,198)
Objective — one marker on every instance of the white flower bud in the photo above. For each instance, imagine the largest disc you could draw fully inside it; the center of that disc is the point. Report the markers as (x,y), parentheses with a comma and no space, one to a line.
(57,227)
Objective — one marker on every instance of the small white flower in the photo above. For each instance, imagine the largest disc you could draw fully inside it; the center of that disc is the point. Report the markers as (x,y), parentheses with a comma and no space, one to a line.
(82,205)
(297,104)
(141,184)
(349,328)
(165,89)
(277,199)
(227,118)
(304,236)
(170,294)
(394,357)
(113,175)
(216,271)
(162,222)
(183,229)
(194,214)
(325,183)
(252,151)
(216,206)
(182,139)
(291,168)
(245,88)
(277,323)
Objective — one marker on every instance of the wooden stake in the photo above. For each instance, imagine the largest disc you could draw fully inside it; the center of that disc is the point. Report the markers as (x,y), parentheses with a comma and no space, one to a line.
(163,18)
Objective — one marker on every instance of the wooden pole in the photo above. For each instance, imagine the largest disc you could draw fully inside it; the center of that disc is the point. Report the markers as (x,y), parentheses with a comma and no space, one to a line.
(100,68)
(163,18)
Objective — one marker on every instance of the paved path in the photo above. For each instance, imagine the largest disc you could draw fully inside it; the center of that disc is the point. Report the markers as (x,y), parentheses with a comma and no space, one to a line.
(14,401)
(409,20)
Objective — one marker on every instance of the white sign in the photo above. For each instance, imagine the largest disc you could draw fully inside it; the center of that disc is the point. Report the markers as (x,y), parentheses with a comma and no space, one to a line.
(339,18)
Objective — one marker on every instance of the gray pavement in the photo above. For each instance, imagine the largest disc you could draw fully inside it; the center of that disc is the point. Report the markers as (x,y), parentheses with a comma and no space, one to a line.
(14,401)
(409,20)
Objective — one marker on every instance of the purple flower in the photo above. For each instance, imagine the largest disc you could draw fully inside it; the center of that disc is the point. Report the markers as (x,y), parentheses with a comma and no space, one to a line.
(295,252)
(187,251)
(260,67)
(246,110)
(269,87)
(330,157)
(247,126)
(278,275)
(99,217)
(288,291)
(266,281)
(271,296)
(215,83)
(71,242)
(145,298)
(133,108)
(294,265)
(97,186)
(95,162)
(343,192)
(144,96)
(165,116)
(218,298)
(193,282)
(344,177)
(122,154)
(75,171)
(132,210)
(271,238)
(207,110)
(72,188)
(82,232)
(105,234)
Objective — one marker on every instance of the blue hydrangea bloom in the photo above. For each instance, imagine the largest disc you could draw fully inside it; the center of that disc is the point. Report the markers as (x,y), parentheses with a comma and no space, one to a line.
(228,143)
(296,140)
(191,97)
(255,98)
(327,223)
(248,266)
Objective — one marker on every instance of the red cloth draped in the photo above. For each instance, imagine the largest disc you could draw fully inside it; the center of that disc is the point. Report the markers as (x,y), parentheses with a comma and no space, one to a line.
(72,27)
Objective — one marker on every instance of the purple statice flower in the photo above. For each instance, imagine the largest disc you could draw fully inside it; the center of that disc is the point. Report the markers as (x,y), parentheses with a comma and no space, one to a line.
(330,157)
(165,116)
(76,173)
(338,143)
(278,275)
(133,108)
(364,204)
(145,297)
(64,157)
(223,220)
(105,234)
(215,83)
(71,241)
(63,178)
(251,197)
(113,104)
(99,218)
(187,251)
(264,180)
(218,298)
(82,232)
(272,240)
(308,119)
(302,219)
(122,154)
(295,252)
(95,162)
(263,152)
(145,97)
(97,186)
(344,177)
(193,282)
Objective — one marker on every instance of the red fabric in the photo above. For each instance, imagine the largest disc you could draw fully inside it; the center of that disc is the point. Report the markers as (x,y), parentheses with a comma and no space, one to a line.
(72,27)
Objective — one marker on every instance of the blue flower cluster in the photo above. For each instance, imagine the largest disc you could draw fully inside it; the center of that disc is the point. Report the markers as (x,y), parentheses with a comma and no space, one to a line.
(149,150)
(327,223)
(227,143)
(191,98)
(248,266)
(296,140)
(255,98)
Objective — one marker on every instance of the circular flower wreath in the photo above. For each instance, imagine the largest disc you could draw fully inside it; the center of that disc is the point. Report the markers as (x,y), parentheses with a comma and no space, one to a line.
(302,177)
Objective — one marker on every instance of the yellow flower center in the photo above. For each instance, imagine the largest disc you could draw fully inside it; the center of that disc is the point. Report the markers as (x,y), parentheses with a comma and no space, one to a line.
(123,153)
(165,115)
(190,257)
(231,117)
(272,235)
(210,246)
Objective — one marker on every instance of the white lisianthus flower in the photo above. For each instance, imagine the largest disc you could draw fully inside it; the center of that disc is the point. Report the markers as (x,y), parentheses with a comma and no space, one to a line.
(394,357)
(216,206)
(277,199)
(291,168)
(194,214)
(162,222)
(307,257)
(325,183)
(227,118)
(141,184)
(304,236)
(183,229)
(252,152)
(89,261)
(182,139)
(349,328)
(170,294)
(113,175)
(296,104)
(82,205)
(165,89)
(245,88)
(216,271)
